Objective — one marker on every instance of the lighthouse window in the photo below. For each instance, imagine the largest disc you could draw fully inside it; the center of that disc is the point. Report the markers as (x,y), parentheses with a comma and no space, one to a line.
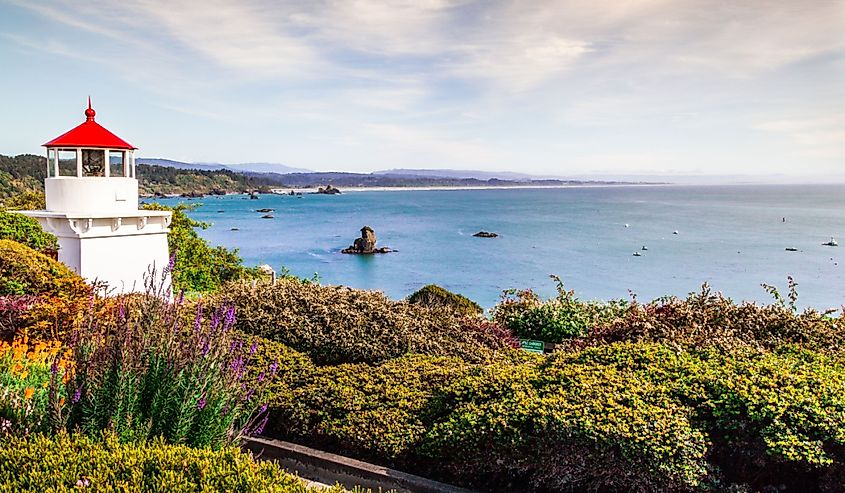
(93,162)
(116,163)
(67,163)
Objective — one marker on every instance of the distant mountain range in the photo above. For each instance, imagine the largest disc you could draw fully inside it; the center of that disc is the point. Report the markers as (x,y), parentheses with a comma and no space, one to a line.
(240,167)
(282,176)
(411,173)
(464,173)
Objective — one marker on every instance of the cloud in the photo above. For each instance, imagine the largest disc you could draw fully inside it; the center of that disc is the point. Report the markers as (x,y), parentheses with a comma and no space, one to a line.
(466,80)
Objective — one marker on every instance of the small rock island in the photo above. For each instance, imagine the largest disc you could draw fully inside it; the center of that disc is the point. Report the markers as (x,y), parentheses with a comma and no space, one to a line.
(486,234)
(328,190)
(366,244)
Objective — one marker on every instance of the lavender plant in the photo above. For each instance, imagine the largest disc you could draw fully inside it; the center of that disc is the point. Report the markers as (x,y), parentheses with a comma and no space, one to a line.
(160,367)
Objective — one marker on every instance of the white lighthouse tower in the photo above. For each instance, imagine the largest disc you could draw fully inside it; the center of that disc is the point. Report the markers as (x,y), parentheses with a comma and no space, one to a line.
(92,207)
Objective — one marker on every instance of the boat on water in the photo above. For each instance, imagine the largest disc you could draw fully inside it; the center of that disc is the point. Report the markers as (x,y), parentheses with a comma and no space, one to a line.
(832,242)
(791,249)
(637,254)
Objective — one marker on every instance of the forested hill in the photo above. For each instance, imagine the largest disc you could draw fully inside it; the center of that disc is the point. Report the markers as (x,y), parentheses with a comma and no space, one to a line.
(25,173)
(165,180)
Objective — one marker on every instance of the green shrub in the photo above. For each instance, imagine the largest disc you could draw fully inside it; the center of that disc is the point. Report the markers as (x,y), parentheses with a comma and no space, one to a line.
(341,325)
(199,267)
(27,231)
(623,416)
(556,320)
(378,410)
(26,201)
(25,271)
(434,296)
(564,425)
(293,369)
(70,463)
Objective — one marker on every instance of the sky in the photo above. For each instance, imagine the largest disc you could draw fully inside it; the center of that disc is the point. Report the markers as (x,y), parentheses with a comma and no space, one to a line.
(546,87)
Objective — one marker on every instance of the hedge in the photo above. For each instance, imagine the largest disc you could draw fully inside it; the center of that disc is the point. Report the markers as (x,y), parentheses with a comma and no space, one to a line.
(624,416)
(334,324)
(70,463)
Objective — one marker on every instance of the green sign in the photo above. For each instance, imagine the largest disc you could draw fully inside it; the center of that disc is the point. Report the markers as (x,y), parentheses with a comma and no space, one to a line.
(531,345)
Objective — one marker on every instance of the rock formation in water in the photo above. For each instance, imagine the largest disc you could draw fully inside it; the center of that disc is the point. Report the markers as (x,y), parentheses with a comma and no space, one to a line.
(366,244)
(329,190)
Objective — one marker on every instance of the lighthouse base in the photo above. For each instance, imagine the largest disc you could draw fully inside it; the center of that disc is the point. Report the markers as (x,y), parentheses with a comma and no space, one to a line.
(121,252)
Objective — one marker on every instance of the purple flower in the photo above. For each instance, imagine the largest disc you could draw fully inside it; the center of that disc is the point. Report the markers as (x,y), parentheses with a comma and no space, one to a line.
(253,348)
(258,429)
(262,409)
(181,298)
(205,347)
(201,403)
(215,320)
(170,264)
(248,395)
(198,318)
(237,367)
(54,367)
(274,366)
(76,395)
(229,318)
(261,377)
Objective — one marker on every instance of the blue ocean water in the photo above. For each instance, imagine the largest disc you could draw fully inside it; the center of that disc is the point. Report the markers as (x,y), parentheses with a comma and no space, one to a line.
(732,237)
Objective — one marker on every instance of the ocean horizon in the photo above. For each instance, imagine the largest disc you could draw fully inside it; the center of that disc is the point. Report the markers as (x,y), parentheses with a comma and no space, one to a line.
(733,237)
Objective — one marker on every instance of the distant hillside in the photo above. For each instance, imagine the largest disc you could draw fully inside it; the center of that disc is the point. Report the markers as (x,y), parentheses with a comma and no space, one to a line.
(310,180)
(240,167)
(22,173)
(25,172)
(465,173)
(165,180)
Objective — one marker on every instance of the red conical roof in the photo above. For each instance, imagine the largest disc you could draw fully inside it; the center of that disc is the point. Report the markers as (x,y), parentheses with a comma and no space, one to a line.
(90,134)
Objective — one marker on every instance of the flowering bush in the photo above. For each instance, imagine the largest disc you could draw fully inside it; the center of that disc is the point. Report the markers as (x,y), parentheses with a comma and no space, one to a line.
(709,319)
(30,384)
(144,374)
(55,296)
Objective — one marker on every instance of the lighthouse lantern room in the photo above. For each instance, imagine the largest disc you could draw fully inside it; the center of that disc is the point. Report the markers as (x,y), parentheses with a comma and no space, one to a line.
(91,193)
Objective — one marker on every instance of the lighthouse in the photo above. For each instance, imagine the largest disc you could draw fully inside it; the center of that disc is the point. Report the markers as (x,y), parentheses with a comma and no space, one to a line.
(91,193)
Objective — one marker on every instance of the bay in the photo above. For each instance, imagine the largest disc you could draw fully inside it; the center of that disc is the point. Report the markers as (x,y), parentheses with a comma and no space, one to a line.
(732,237)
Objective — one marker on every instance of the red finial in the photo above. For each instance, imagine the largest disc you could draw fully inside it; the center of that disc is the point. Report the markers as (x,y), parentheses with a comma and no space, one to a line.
(89,113)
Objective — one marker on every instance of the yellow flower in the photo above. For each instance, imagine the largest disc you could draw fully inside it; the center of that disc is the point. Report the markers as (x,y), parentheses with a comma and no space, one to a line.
(28,392)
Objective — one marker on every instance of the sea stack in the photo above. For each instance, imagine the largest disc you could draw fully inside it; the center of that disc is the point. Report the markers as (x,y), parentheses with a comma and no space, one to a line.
(366,244)
(328,190)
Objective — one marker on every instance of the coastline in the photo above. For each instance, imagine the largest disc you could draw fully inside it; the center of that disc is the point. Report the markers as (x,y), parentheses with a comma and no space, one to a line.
(285,191)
